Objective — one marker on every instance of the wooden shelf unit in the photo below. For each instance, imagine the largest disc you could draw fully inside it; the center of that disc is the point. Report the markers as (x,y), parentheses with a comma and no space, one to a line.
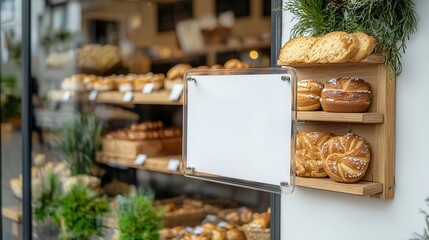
(156,97)
(155,164)
(377,125)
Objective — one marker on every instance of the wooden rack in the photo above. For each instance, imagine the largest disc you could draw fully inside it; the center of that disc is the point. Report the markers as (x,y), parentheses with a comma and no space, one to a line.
(377,125)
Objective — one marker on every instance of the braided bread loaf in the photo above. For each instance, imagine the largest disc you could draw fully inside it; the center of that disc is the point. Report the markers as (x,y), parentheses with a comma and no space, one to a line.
(309,95)
(346,158)
(308,158)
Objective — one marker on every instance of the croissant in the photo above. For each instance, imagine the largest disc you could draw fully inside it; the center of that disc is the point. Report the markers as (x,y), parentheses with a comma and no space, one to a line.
(309,95)
(346,158)
(308,157)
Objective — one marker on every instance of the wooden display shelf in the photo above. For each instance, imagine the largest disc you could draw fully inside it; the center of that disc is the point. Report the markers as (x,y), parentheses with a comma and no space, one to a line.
(375,58)
(361,188)
(156,164)
(156,97)
(340,117)
(376,126)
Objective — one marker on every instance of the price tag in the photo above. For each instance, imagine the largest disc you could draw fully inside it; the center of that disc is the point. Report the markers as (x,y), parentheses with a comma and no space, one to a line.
(140,159)
(92,95)
(173,164)
(211,218)
(67,96)
(128,97)
(198,230)
(222,224)
(176,92)
(148,88)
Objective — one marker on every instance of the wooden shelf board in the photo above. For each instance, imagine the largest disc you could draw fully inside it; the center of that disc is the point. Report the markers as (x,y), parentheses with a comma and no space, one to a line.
(360,188)
(371,59)
(340,117)
(155,164)
(13,213)
(157,97)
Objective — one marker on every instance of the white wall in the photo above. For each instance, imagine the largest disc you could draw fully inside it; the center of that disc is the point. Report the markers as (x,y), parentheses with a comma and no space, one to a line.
(314,214)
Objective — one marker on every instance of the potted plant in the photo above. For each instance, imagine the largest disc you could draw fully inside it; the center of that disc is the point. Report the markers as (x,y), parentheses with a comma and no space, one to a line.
(80,143)
(138,219)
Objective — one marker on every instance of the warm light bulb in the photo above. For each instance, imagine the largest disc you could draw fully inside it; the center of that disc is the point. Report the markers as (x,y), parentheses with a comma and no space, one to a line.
(253,54)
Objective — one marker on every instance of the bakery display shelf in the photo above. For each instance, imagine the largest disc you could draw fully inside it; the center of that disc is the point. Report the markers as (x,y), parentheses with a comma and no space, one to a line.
(361,188)
(157,97)
(322,116)
(375,58)
(155,164)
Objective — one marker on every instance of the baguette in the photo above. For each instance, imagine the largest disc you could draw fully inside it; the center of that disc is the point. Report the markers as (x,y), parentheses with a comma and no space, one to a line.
(295,50)
(334,47)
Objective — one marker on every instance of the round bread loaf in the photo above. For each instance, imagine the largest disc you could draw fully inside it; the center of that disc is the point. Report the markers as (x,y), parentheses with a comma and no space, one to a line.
(346,158)
(309,95)
(346,95)
(308,154)
(177,71)
(235,234)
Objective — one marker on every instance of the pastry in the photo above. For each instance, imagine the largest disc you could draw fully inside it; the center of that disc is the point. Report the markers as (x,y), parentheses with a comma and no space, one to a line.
(235,63)
(366,46)
(246,216)
(125,85)
(217,66)
(235,234)
(104,85)
(308,154)
(262,222)
(334,47)
(295,50)
(346,158)
(346,95)
(74,83)
(177,71)
(309,95)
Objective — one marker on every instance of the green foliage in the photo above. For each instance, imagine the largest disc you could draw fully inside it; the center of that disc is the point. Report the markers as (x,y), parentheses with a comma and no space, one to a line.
(10,102)
(138,219)
(390,22)
(49,201)
(425,235)
(80,143)
(80,209)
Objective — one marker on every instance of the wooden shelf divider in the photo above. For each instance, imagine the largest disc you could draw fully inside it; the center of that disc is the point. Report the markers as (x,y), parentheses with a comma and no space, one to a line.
(340,117)
(360,188)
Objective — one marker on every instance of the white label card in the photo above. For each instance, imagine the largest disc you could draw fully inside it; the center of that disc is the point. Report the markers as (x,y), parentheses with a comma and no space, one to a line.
(140,159)
(176,92)
(128,97)
(67,96)
(92,95)
(148,88)
(198,230)
(173,164)
(211,218)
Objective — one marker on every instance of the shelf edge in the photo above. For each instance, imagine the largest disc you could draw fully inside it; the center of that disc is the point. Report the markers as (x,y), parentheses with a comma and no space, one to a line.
(360,188)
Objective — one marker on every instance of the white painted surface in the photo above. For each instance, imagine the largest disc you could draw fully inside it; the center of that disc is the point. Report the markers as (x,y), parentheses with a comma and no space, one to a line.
(240,114)
(313,214)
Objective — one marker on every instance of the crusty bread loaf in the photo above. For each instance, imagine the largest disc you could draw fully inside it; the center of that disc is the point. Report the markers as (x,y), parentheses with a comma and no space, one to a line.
(295,50)
(346,95)
(366,46)
(334,47)
(308,153)
(309,95)
(177,71)
(346,158)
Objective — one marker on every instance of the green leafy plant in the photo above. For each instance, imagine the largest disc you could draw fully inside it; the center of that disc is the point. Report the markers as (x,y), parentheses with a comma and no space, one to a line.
(80,143)
(138,219)
(425,235)
(390,22)
(10,102)
(47,204)
(80,209)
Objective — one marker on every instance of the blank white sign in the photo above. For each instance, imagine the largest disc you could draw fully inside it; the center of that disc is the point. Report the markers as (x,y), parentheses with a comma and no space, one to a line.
(239,127)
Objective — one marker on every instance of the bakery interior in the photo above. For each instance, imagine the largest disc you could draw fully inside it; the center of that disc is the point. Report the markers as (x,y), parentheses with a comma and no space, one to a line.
(92,62)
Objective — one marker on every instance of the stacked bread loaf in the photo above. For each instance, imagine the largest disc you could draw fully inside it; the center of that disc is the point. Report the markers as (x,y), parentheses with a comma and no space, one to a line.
(334,47)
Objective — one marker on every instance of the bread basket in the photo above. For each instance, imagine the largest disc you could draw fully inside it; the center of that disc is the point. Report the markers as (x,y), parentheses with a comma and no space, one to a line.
(256,233)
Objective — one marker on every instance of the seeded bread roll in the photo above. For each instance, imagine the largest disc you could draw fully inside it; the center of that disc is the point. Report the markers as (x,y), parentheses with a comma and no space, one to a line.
(308,153)
(334,47)
(295,50)
(346,95)
(309,95)
(346,158)
(366,46)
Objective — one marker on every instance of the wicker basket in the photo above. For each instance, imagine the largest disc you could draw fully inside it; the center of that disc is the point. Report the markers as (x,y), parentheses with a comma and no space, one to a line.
(256,233)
